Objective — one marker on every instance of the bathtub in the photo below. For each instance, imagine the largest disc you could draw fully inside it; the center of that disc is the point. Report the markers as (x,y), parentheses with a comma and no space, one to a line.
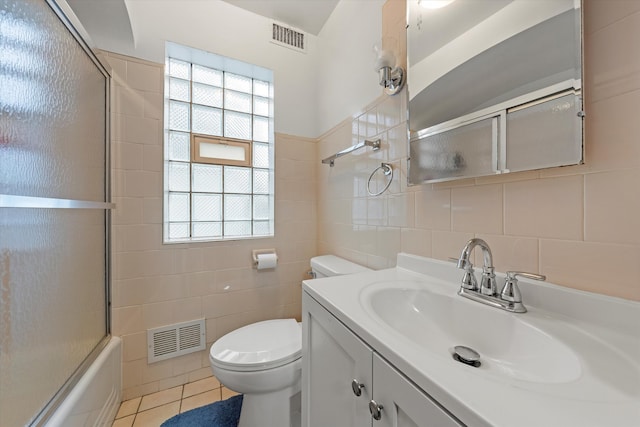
(95,399)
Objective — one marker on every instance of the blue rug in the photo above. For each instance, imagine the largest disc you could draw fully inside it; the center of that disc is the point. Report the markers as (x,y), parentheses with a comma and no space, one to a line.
(225,413)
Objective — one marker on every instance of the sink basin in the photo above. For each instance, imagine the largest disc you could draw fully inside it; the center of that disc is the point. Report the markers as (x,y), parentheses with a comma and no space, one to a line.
(438,320)
(573,354)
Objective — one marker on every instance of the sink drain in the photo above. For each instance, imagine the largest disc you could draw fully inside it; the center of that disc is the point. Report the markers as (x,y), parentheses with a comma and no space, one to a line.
(466,355)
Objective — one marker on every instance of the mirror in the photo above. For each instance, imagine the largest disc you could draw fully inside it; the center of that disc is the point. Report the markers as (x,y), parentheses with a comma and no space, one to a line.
(494,86)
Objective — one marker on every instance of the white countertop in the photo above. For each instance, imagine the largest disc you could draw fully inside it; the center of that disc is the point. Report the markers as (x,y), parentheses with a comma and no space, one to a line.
(603,332)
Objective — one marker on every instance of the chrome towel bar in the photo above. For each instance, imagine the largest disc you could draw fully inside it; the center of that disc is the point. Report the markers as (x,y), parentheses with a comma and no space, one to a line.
(366,143)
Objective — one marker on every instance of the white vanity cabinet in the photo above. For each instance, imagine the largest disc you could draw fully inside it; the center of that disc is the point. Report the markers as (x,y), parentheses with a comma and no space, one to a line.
(404,405)
(333,357)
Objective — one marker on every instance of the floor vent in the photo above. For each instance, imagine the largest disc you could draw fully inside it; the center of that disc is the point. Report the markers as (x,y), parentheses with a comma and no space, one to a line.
(175,340)
(288,37)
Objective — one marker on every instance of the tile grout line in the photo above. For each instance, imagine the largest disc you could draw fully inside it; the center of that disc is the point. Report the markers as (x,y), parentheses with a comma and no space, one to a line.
(135,414)
(217,391)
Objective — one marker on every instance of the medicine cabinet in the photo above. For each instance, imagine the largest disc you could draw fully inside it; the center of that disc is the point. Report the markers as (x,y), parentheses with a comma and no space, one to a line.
(494,86)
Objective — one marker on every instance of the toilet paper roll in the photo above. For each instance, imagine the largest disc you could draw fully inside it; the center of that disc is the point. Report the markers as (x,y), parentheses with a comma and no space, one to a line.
(267,261)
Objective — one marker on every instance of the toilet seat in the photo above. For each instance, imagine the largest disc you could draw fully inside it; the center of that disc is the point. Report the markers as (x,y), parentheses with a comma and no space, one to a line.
(259,346)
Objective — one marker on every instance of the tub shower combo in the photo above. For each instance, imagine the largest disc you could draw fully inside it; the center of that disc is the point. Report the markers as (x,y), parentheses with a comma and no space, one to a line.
(59,364)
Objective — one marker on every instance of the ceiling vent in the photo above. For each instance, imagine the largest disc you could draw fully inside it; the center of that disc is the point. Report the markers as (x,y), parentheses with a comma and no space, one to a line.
(288,37)
(175,340)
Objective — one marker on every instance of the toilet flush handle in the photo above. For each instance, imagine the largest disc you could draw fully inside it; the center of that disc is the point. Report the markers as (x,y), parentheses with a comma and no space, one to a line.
(357,387)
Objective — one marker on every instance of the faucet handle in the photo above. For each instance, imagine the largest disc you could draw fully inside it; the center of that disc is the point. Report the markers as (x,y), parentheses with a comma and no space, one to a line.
(510,291)
(469,280)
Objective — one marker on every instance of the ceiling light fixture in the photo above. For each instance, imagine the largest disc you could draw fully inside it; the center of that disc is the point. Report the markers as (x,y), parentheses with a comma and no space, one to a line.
(434,4)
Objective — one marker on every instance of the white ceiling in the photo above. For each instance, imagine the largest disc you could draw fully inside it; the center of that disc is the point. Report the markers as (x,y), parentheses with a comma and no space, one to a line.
(108,24)
(307,15)
(108,20)
(104,20)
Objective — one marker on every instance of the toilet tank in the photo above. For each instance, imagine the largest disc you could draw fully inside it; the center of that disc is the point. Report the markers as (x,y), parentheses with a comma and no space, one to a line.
(331,265)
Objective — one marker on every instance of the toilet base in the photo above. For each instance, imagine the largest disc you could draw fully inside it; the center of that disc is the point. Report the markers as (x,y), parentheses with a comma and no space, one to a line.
(281,408)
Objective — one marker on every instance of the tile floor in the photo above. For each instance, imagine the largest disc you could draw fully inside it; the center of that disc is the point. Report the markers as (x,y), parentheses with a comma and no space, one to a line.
(153,409)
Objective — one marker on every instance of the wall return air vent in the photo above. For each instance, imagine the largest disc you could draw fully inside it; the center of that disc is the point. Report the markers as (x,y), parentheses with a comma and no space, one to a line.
(288,37)
(175,340)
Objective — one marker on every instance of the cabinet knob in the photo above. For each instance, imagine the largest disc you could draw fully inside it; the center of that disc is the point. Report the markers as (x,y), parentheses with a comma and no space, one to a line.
(357,387)
(376,410)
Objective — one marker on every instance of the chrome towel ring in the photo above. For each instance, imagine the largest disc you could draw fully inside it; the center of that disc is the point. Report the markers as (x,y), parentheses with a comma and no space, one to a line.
(387,170)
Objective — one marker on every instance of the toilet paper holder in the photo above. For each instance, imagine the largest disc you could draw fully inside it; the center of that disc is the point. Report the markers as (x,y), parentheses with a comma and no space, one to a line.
(256,252)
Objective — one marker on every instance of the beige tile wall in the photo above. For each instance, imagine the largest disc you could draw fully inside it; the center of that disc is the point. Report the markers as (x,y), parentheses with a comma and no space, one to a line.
(578,225)
(156,284)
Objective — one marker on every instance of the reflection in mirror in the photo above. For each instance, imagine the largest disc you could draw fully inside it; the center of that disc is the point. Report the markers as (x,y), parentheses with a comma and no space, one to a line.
(509,67)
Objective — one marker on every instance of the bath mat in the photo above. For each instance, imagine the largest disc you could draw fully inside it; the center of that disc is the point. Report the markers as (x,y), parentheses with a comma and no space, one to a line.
(224,413)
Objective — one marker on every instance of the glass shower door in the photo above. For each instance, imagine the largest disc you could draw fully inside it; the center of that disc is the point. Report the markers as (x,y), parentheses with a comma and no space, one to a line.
(54,207)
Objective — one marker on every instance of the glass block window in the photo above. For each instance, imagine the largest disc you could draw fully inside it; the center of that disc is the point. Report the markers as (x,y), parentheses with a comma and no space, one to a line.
(217,199)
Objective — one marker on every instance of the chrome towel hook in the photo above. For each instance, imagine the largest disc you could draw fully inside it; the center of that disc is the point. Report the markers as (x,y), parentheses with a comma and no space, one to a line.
(387,170)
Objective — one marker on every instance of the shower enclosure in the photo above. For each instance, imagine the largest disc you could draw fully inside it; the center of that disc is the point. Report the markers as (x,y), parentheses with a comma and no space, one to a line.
(54,208)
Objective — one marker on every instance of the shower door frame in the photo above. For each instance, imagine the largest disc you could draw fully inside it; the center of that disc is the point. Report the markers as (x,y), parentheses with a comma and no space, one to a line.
(68,18)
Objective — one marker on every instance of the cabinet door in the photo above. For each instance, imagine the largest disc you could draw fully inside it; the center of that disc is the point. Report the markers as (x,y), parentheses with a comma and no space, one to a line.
(403,404)
(332,358)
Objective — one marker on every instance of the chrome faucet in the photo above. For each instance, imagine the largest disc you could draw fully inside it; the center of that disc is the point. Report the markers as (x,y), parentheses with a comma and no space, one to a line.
(509,297)
(488,282)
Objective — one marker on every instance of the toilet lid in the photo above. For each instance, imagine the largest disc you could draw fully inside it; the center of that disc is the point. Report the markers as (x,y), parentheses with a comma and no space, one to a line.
(261,345)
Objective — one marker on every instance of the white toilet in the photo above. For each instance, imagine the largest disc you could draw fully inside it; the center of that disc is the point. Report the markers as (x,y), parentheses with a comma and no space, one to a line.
(263,360)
